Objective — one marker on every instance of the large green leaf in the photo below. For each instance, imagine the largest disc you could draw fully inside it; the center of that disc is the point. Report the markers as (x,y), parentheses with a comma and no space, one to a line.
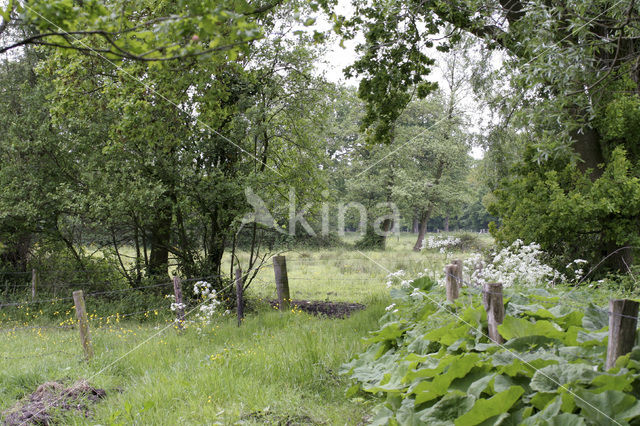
(449,408)
(484,409)
(552,377)
(621,382)
(529,343)
(607,408)
(561,314)
(390,332)
(428,390)
(595,318)
(520,327)
(550,411)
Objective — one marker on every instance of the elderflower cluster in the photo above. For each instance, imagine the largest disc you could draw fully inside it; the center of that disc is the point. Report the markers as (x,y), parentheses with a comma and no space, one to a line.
(209,303)
(398,278)
(440,243)
(175,306)
(391,308)
(394,277)
(575,266)
(516,264)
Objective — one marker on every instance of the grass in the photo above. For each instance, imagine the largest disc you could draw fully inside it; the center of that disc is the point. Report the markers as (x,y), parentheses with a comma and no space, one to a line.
(276,368)
(281,365)
(344,274)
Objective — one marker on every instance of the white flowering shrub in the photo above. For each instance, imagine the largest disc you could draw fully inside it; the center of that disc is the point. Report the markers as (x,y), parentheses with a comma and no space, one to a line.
(209,303)
(575,270)
(518,264)
(441,243)
(174,306)
(399,278)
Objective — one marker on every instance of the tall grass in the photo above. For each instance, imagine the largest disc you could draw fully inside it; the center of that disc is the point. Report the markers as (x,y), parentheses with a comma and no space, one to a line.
(278,368)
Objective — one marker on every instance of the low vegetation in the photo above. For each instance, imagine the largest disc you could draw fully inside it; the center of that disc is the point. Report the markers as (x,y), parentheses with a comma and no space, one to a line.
(433,363)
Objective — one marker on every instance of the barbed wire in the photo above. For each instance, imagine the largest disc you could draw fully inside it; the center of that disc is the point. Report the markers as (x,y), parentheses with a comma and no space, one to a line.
(36,327)
(481,290)
(36,355)
(106,292)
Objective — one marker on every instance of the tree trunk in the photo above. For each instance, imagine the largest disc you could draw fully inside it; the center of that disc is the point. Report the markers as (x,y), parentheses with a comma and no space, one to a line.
(215,251)
(16,252)
(416,225)
(446,223)
(160,241)
(424,219)
(588,146)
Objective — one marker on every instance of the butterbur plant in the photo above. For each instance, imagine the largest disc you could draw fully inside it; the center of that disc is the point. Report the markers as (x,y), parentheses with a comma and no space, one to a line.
(433,363)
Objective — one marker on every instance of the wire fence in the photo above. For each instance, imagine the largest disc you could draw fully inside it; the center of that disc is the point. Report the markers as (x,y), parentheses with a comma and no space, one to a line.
(479,289)
(259,282)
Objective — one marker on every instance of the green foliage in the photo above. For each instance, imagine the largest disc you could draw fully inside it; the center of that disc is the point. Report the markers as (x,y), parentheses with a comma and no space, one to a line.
(433,363)
(569,215)
(117,30)
(148,162)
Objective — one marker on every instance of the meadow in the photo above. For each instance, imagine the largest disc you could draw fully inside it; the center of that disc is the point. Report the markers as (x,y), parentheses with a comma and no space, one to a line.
(278,367)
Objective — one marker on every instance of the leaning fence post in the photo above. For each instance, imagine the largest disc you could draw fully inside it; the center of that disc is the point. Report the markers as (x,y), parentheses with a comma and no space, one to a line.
(239,299)
(34,282)
(623,320)
(450,272)
(494,305)
(282,282)
(83,324)
(459,271)
(177,290)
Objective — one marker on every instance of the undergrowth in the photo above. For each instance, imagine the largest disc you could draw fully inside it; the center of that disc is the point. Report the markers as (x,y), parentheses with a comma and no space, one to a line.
(432,362)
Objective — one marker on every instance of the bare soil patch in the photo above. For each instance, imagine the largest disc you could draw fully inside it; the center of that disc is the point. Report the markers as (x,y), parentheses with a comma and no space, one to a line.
(52,398)
(326,308)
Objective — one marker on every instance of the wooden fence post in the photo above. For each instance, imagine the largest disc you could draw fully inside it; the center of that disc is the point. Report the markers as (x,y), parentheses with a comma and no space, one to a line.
(239,299)
(494,305)
(623,319)
(450,272)
(282,282)
(177,290)
(459,272)
(34,282)
(83,324)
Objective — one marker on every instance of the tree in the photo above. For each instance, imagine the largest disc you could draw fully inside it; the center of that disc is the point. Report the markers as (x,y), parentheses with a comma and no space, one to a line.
(434,163)
(157,155)
(574,72)
(140,30)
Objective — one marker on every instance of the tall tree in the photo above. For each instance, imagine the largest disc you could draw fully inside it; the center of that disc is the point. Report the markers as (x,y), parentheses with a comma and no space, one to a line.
(573,70)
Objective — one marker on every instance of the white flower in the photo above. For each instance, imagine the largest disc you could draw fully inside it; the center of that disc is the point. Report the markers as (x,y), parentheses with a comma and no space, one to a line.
(390,307)
(394,277)
(516,264)
(440,243)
